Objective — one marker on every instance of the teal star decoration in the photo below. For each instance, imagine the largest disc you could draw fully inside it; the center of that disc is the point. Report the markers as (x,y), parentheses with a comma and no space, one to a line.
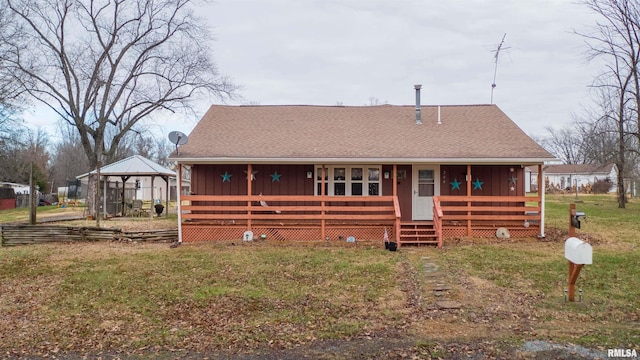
(455,184)
(477,185)
(226,177)
(275,177)
(513,180)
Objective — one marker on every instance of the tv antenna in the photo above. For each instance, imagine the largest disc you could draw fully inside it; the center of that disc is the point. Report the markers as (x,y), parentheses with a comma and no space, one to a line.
(496,56)
(178,138)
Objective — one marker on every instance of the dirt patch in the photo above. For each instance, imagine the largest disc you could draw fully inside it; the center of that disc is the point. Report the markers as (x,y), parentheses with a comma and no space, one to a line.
(126,223)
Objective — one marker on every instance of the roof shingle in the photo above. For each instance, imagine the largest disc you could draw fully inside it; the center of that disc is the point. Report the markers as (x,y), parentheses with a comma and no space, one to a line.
(281,132)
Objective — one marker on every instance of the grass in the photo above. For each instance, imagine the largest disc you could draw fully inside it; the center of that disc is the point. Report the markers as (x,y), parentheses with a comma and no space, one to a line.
(604,218)
(214,297)
(22,214)
(171,297)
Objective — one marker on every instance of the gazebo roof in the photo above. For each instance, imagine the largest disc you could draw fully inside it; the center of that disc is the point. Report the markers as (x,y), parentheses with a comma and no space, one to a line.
(135,165)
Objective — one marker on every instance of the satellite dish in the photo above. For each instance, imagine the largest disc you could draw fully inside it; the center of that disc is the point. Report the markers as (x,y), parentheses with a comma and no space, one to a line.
(178,138)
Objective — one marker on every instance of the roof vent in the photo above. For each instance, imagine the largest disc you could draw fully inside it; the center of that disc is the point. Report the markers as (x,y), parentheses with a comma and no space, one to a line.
(418,117)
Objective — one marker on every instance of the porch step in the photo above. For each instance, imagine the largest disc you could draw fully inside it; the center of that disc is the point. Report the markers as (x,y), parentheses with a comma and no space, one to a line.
(417,233)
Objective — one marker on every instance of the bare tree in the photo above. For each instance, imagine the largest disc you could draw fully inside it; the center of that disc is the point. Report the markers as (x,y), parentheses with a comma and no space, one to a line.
(17,153)
(10,87)
(68,159)
(105,65)
(616,39)
(566,144)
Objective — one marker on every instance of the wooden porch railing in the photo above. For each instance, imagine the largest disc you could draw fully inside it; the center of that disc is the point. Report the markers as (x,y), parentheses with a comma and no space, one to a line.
(473,211)
(307,209)
(437,219)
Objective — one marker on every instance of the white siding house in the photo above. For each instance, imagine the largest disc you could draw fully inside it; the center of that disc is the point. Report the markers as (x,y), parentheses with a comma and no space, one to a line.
(565,176)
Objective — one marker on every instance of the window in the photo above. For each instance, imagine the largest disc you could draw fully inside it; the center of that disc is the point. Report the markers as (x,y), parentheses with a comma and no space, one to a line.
(426,183)
(350,180)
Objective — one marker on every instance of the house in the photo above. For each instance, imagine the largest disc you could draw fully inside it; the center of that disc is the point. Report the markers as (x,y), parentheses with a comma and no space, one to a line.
(7,197)
(413,173)
(566,176)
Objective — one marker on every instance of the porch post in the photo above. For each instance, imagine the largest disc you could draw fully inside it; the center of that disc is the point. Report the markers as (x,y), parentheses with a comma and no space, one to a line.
(178,197)
(167,196)
(104,198)
(541,197)
(153,195)
(395,179)
(469,179)
(322,195)
(249,172)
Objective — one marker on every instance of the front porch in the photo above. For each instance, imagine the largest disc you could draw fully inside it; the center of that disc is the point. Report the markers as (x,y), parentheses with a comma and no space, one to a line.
(335,218)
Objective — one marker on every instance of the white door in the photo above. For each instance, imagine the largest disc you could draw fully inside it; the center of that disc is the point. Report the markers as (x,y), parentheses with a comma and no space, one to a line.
(425,187)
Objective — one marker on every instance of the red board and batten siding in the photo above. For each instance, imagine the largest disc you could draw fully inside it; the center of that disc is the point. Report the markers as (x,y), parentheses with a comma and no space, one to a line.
(207,180)
(495,179)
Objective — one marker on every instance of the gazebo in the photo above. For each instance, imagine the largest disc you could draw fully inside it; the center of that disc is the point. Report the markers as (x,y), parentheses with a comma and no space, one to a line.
(134,166)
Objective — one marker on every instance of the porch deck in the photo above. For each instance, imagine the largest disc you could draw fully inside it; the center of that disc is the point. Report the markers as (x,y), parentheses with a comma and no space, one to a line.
(334,218)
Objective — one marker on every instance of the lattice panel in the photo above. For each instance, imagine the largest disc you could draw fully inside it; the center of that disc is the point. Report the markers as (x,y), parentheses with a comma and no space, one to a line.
(522,233)
(373,233)
(195,233)
(284,233)
(454,232)
(479,233)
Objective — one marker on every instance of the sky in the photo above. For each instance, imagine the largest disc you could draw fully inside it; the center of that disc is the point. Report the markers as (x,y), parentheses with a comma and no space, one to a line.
(350,52)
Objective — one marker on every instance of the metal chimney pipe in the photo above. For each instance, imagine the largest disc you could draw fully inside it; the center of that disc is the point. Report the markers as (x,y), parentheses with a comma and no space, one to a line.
(418,117)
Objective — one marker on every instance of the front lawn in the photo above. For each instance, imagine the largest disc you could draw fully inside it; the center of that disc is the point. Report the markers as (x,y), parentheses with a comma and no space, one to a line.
(350,300)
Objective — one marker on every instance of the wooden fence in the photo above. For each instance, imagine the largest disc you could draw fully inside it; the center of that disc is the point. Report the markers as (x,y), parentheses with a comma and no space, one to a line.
(38,234)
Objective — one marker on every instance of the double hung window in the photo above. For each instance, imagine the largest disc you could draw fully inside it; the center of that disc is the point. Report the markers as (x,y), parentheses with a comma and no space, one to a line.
(356,180)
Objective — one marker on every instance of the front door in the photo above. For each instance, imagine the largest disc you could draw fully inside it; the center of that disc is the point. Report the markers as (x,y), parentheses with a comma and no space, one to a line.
(425,187)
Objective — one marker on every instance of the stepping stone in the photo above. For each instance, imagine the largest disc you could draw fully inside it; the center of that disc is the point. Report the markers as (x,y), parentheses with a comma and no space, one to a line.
(448,304)
(433,274)
(430,267)
(442,288)
(439,293)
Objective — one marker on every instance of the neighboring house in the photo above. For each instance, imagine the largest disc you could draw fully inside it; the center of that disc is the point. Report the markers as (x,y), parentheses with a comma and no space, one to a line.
(17,188)
(133,178)
(410,173)
(7,197)
(565,176)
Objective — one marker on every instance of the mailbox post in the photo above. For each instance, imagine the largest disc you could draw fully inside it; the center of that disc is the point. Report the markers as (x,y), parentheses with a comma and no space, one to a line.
(575,218)
(578,252)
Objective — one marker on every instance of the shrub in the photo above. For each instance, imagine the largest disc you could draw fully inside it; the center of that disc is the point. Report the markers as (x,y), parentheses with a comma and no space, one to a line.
(602,186)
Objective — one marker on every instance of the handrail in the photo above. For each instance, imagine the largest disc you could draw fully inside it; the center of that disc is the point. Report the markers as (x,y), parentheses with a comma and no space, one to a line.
(290,207)
(398,214)
(472,209)
(437,220)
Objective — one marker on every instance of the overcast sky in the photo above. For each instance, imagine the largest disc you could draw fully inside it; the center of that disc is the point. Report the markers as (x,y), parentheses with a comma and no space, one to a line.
(325,52)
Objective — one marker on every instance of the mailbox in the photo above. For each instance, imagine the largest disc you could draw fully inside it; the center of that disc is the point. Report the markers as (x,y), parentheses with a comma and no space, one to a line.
(577,218)
(578,251)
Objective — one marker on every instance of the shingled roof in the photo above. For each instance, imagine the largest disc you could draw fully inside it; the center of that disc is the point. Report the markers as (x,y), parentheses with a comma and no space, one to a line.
(298,133)
(135,165)
(583,169)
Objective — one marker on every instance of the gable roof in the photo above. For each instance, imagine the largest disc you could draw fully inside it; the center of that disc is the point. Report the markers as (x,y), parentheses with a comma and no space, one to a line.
(583,169)
(135,165)
(299,133)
